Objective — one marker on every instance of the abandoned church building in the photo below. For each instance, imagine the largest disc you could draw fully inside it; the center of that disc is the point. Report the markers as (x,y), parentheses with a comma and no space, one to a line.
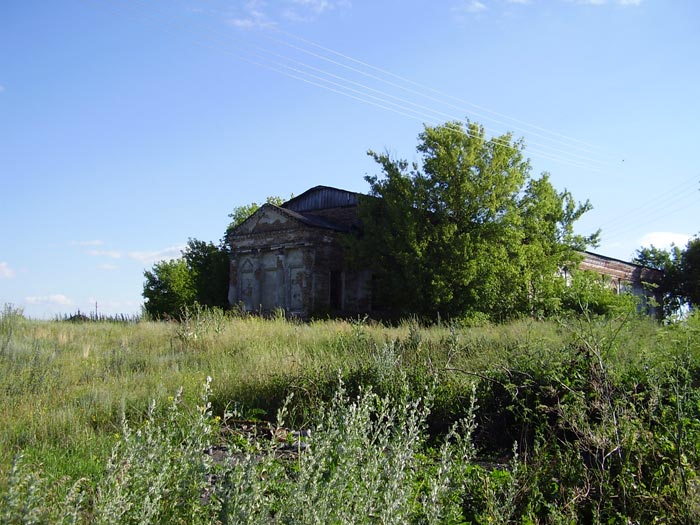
(290,257)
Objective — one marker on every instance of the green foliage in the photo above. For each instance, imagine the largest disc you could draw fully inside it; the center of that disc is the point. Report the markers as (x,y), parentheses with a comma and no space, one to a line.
(591,420)
(590,293)
(365,462)
(690,272)
(681,267)
(669,289)
(604,440)
(209,267)
(470,230)
(199,276)
(241,213)
(158,472)
(168,288)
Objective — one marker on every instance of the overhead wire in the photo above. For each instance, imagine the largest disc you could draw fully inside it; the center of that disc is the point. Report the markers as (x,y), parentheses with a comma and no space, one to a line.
(635,221)
(649,219)
(276,29)
(401,108)
(659,200)
(579,159)
(327,80)
(589,148)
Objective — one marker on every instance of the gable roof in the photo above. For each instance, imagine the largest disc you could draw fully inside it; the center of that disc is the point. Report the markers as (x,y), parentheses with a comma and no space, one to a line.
(248,225)
(322,197)
(619,268)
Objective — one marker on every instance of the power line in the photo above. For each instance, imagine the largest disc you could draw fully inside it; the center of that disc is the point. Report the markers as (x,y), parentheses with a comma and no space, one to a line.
(657,201)
(382,103)
(432,113)
(553,156)
(428,88)
(350,88)
(643,220)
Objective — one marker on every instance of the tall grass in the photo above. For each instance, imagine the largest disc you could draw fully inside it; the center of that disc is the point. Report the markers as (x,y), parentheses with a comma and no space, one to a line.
(586,419)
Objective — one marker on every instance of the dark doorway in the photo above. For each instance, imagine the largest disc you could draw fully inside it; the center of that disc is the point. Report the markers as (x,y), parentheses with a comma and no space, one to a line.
(336,298)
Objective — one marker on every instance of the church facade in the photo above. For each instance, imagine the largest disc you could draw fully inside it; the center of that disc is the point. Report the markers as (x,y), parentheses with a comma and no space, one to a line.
(291,258)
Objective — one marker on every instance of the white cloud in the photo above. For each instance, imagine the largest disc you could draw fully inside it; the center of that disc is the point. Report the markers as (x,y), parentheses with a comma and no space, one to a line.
(664,240)
(242,23)
(320,6)
(53,299)
(470,7)
(108,267)
(622,3)
(87,243)
(475,6)
(150,257)
(112,254)
(317,6)
(259,14)
(252,15)
(5,271)
(523,2)
(309,9)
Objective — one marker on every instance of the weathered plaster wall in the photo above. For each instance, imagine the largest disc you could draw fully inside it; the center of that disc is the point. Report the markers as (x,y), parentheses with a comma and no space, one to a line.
(291,257)
(626,277)
(279,262)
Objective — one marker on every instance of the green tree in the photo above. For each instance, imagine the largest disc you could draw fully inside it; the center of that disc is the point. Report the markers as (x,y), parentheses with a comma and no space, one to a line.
(208,265)
(241,213)
(669,262)
(592,293)
(680,285)
(690,272)
(199,276)
(467,231)
(168,288)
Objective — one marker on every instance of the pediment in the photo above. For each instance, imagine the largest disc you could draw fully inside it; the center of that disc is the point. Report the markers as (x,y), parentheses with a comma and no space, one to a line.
(267,218)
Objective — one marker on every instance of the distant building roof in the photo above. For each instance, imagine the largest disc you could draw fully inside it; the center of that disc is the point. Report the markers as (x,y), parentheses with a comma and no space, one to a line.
(322,197)
(619,268)
(309,220)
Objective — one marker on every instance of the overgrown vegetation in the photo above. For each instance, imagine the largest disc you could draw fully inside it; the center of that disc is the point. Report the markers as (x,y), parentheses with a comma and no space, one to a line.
(200,276)
(469,228)
(680,286)
(590,419)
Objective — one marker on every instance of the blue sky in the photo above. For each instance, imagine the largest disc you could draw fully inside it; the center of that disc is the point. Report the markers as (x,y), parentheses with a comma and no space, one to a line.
(127,127)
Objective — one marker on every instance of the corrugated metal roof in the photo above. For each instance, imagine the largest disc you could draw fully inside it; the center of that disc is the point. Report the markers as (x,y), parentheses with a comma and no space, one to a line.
(322,197)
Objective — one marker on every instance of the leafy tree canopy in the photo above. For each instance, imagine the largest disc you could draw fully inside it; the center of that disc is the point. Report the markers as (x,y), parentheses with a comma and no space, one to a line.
(690,272)
(241,213)
(199,276)
(681,267)
(469,230)
(168,288)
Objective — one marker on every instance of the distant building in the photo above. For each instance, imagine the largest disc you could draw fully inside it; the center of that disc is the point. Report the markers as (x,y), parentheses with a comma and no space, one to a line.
(626,277)
(290,257)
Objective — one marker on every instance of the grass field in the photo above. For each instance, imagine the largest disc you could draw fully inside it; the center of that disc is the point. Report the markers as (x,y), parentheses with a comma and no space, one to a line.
(571,421)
